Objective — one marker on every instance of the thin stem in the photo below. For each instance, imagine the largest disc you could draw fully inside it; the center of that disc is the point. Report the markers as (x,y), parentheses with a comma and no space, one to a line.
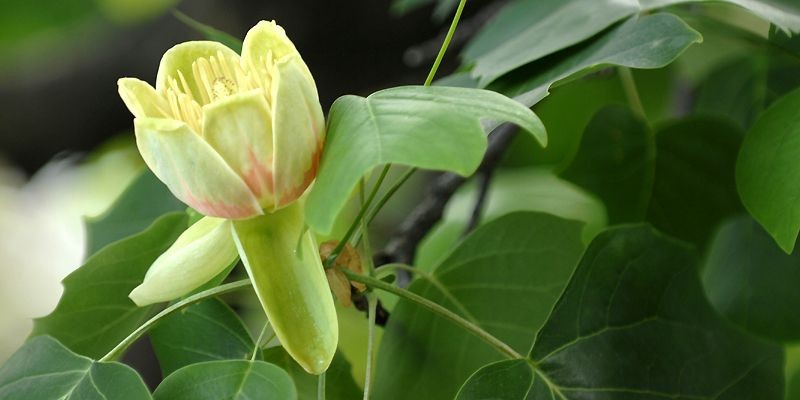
(373,307)
(487,337)
(367,249)
(389,193)
(446,43)
(321,387)
(221,289)
(386,270)
(258,341)
(629,85)
(331,260)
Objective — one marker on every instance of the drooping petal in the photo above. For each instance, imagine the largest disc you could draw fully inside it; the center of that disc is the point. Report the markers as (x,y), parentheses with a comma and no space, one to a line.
(192,170)
(287,274)
(268,37)
(298,129)
(177,64)
(239,128)
(199,254)
(142,99)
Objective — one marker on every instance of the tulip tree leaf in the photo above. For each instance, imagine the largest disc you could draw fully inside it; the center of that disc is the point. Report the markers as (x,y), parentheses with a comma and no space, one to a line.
(517,189)
(139,205)
(529,30)
(427,127)
(525,31)
(508,380)
(206,331)
(616,161)
(95,313)
(505,277)
(231,379)
(647,42)
(633,323)
(752,282)
(783,13)
(767,171)
(44,369)
(734,90)
(339,383)
(695,187)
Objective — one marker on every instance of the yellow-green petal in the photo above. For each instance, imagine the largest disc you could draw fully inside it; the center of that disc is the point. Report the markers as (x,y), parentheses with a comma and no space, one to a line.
(178,61)
(142,99)
(283,263)
(199,254)
(298,128)
(266,37)
(192,170)
(239,128)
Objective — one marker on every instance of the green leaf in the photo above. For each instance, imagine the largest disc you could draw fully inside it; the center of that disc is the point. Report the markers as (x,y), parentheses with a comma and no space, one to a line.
(767,170)
(752,282)
(734,90)
(95,313)
(206,331)
(519,189)
(45,369)
(525,31)
(783,13)
(505,277)
(633,323)
(695,187)
(647,42)
(339,383)
(137,207)
(529,30)
(209,32)
(233,379)
(510,379)
(427,127)
(616,161)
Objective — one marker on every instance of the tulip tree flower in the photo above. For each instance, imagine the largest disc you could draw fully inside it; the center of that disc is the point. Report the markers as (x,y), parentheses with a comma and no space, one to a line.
(238,138)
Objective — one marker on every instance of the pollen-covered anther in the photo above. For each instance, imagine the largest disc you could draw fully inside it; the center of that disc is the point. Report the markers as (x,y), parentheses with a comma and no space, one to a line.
(182,106)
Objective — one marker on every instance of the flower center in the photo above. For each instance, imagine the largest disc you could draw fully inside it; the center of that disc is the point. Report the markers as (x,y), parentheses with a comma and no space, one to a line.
(215,78)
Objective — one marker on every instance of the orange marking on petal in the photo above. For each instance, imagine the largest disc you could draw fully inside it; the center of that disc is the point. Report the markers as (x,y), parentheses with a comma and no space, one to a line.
(258,176)
(308,177)
(219,209)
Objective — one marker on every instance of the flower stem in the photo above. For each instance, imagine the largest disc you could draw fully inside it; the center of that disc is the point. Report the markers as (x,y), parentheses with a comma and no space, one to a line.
(446,43)
(136,334)
(487,337)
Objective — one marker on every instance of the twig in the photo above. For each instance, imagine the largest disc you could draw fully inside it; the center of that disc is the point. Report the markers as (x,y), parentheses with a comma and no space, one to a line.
(484,180)
(361,303)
